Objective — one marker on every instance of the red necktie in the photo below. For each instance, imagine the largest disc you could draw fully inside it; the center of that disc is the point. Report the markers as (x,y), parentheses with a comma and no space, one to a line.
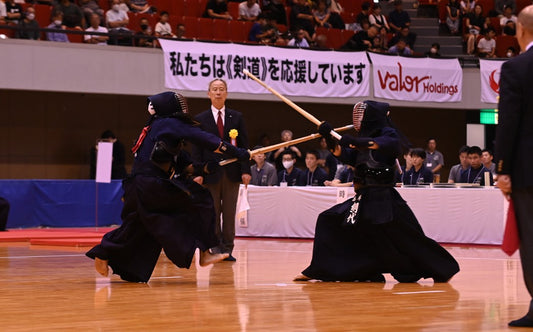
(511,240)
(140,139)
(220,125)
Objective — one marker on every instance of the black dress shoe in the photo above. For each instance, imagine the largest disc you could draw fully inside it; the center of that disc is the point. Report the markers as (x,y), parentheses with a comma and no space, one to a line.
(230,259)
(522,322)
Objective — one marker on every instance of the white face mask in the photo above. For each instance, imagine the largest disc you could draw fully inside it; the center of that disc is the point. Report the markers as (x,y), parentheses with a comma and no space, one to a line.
(509,54)
(116,8)
(30,16)
(287,164)
(57,22)
(151,108)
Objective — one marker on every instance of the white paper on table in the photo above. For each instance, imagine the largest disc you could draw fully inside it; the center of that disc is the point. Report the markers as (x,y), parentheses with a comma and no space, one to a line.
(104,159)
(241,217)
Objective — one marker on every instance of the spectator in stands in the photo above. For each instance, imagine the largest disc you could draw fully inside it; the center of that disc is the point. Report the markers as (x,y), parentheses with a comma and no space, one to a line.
(72,14)
(476,172)
(378,19)
(363,15)
(434,159)
(3,12)
(180,31)
(262,32)
(486,159)
(95,27)
(508,22)
(335,19)
(327,160)
(298,39)
(313,175)
(302,18)
(117,22)
(487,45)
(124,5)
(362,40)
(263,173)
(290,175)
(453,17)
(405,33)
(321,42)
(399,18)
(343,177)
(217,9)
(90,7)
(379,43)
(467,7)
(400,48)
(511,52)
(28,28)
(163,28)
(249,10)
(275,9)
(499,6)
(140,6)
(418,173)
(13,12)
(434,51)
(476,24)
(144,38)
(57,20)
(456,172)
(286,135)
(321,14)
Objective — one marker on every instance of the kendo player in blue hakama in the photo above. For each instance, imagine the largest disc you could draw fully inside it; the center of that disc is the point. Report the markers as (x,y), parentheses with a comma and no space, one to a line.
(163,207)
(375,232)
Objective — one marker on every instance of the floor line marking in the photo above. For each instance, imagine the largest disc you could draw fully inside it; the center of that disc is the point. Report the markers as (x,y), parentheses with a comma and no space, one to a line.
(419,292)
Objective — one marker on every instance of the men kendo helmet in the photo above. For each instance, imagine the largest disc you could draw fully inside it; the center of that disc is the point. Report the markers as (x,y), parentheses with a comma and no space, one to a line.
(370,115)
(167,104)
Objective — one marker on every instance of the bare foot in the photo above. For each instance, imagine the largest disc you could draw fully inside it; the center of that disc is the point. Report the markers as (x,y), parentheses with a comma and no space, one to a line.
(301,277)
(101,266)
(207,258)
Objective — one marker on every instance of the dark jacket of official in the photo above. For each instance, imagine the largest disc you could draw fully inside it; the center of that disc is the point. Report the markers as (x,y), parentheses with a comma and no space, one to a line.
(514,142)
(232,120)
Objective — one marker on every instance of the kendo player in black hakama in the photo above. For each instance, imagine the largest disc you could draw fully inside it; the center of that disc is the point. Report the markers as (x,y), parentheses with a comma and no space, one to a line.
(163,207)
(375,232)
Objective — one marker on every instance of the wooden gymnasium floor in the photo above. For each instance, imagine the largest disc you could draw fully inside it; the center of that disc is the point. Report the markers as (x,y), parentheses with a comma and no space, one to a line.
(56,289)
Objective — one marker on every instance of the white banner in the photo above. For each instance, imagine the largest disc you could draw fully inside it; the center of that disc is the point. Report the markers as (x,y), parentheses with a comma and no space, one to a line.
(417,79)
(489,71)
(191,65)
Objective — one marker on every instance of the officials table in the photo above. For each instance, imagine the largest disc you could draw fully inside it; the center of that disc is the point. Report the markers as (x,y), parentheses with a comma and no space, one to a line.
(447,215)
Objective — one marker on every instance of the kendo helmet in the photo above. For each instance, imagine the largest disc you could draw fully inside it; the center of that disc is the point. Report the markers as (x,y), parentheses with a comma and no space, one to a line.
(167,104)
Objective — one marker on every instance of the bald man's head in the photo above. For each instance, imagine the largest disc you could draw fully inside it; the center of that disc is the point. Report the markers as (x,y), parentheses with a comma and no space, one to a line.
(524,29)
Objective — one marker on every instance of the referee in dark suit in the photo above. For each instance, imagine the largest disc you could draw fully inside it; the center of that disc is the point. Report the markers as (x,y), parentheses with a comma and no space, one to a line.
(514,143)
(224,183)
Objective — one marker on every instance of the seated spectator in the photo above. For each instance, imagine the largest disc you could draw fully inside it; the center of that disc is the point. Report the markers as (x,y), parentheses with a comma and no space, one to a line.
(499,6)
(343,177)
(486,159)
(180,31)
(90,7)
(477,24)
(403,169)
(72,14)
(456,172)
(263,173)
(28,28)
(476,172)
(275,10)
(467,7)
(321,42)
(418,173)
(399,18)
(163,28)
(217,9)
(400,48)
(290,175)
(140,6)
(313,175)
(4,212)
(124,5)
(405,33)
(286,135)
(511,52)
(262,32)
(117,22)
(363,14)
(362,40)
(453,17)
(335,11)
(3,12)
(378,19)
(57,20)
(302,18)
(326,159)
(434,51)
(13,12)
(487,45)
(321,15)
(508,22)
(95,27)
(144,38)
(249,10)
(299,39)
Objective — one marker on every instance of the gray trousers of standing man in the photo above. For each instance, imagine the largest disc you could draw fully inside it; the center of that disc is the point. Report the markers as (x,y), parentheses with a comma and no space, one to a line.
(225,193)
(523,203)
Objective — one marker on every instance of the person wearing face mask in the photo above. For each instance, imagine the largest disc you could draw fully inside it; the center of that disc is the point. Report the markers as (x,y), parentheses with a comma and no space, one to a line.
(374,232)
(433,52)
(57,19)
(117,22)
(28,28)
(290,175)
(144,37)
(163,207)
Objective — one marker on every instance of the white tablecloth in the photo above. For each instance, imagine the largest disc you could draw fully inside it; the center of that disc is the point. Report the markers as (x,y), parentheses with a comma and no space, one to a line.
(447,215)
